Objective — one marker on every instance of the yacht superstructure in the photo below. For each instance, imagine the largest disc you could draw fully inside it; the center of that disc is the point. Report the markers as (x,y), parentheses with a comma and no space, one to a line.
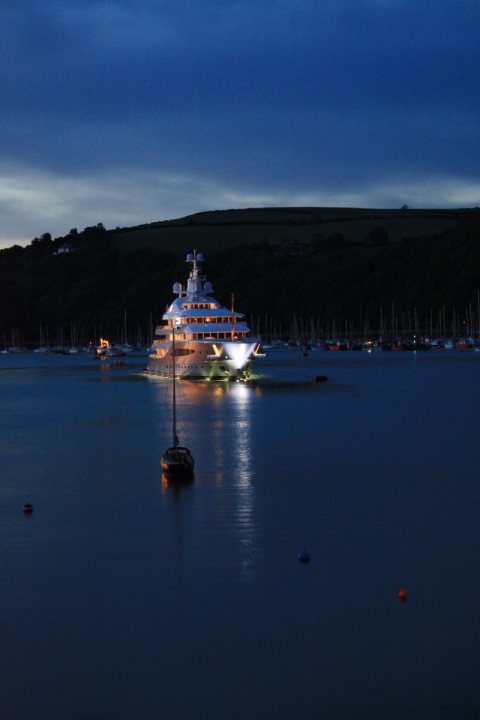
(211,341)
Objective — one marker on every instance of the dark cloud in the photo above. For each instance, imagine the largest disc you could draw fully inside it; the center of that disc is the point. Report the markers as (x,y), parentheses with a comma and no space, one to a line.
(274,94)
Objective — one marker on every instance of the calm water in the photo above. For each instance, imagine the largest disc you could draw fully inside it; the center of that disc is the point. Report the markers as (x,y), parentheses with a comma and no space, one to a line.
(123,598)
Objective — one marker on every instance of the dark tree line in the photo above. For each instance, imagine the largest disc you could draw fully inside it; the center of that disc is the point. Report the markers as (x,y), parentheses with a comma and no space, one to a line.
(87,281)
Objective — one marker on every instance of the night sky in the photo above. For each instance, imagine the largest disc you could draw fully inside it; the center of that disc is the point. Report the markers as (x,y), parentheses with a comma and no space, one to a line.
(131,111)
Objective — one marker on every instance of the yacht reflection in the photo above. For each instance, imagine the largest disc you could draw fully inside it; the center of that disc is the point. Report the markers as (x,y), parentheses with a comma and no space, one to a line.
(193,390)
(175,485)
(234,468)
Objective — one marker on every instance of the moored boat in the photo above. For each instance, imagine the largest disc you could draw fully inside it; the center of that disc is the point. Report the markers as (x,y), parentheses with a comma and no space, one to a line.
(211,341)
(338,346)
(177,461)
(106,351)
(465,344)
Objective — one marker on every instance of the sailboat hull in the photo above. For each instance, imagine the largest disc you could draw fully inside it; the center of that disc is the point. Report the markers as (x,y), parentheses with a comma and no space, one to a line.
(177,461)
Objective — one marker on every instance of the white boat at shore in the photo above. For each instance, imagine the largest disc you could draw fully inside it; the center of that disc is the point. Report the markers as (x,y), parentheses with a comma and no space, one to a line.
(211,341)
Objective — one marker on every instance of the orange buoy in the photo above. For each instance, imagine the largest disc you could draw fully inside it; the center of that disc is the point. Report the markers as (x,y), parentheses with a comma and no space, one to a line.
(402,594)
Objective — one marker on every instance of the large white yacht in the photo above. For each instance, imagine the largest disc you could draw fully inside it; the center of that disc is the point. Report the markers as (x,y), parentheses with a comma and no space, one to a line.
(209,340)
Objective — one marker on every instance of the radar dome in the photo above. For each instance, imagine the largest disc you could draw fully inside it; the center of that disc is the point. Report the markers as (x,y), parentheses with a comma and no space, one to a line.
(208,287)
(189,257)
(200,257)
(177,287)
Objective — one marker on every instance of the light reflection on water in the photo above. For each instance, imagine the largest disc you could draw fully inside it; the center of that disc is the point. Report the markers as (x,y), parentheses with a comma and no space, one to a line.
(225,441)
(243,461)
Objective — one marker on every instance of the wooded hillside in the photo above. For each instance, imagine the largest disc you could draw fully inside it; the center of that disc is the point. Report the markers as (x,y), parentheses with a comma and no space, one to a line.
(341,269)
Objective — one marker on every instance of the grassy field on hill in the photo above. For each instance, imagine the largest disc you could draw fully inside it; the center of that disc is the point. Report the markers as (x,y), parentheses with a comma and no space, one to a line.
(217,230)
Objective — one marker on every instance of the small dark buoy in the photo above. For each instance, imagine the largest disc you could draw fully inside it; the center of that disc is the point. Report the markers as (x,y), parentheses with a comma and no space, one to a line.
(319,378)
(303,556)
(402,594)
(27,508)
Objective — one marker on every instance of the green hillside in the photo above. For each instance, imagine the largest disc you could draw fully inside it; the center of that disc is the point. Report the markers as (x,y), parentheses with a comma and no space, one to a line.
(215,230)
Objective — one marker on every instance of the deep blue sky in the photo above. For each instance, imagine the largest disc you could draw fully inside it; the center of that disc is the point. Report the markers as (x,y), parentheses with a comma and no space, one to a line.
(130,111)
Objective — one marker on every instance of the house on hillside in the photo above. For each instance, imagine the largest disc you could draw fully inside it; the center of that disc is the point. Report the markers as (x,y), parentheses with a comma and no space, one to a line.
(65,248)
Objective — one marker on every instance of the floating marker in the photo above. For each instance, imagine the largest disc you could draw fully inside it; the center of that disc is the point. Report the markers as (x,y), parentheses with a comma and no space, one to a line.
(304,556)
(319,378)
(402,594)
(27,508)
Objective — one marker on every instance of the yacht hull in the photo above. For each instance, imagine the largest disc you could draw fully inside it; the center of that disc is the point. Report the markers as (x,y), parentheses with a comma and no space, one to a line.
(213,360)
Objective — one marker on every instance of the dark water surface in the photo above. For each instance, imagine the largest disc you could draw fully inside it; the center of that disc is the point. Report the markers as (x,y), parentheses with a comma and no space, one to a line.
(124,598)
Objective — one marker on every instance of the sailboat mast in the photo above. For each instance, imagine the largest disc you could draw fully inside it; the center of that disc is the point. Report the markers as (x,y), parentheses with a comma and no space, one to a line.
(175,438)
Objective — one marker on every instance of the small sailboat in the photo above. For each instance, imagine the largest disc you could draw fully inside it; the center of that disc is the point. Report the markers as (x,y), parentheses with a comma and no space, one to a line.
(177,461)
